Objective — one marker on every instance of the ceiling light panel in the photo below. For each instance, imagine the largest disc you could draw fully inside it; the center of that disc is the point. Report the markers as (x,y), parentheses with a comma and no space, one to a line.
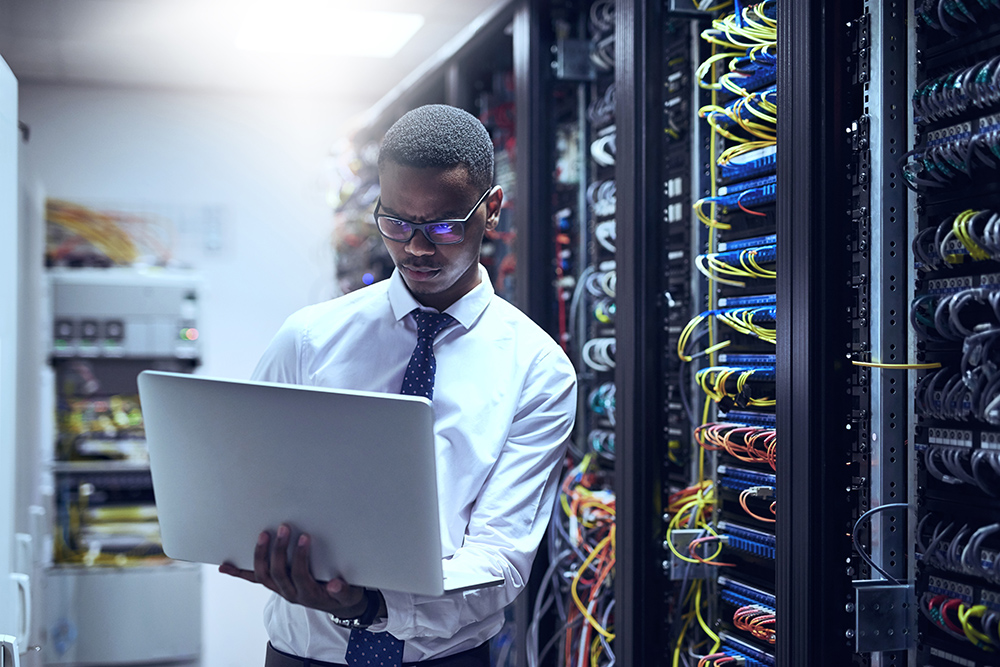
(324,27)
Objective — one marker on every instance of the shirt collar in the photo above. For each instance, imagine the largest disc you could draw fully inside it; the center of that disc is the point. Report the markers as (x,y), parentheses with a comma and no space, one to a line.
(466,310)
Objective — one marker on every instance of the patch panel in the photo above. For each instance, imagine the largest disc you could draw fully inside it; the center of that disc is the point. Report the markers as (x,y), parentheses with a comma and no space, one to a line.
(943,436)
(750,593)
(752,75)
(742,478)
(753,164)
(940,286)
(754,313)
(746,417)
(746,539)
(747,301)
(747,359)
(743,186)
(755,241)
(753,656)
(760,254)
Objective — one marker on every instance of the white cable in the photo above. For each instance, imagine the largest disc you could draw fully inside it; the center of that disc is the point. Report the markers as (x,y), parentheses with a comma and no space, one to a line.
(606,234)
(603,150)
(602,349)
(609,283)
(593,285)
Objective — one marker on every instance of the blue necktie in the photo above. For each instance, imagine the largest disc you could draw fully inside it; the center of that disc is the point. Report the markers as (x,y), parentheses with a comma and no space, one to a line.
(380,649)
(419,377)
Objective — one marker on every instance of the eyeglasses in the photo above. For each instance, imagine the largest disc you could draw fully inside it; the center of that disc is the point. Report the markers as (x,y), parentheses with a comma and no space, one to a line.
(438,232)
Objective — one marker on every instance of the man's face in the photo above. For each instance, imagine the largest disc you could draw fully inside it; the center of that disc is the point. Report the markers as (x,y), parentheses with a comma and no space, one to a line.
(437,275)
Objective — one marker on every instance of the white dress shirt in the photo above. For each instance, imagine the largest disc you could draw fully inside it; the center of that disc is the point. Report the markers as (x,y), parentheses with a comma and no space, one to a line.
(504,405)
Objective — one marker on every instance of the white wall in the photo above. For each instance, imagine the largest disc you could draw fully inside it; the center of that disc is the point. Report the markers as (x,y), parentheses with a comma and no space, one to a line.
(260,162)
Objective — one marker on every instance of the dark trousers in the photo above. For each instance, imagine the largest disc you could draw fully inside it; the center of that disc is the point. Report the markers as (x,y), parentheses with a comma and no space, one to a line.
(477,657)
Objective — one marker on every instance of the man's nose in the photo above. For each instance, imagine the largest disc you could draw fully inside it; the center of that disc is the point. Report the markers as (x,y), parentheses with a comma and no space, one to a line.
(419,245)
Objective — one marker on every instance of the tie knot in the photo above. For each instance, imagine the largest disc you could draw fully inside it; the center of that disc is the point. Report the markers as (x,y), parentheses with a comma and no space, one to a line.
(430,325)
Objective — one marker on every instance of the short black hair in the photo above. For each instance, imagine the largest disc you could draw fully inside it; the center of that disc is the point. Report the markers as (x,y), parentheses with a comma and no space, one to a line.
(440,136)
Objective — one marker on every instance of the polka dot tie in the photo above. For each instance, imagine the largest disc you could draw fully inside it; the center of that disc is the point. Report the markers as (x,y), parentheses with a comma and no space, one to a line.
(374,649)
(380,649)
(419,378)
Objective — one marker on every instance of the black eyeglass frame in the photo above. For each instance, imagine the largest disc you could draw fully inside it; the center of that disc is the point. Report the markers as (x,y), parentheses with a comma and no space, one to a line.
(422,226)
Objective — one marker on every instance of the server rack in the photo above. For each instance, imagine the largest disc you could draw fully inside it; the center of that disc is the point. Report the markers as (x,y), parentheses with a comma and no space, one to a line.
(872,463)
(953,110)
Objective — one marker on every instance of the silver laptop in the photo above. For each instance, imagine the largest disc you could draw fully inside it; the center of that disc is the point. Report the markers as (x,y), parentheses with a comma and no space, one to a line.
(354,469)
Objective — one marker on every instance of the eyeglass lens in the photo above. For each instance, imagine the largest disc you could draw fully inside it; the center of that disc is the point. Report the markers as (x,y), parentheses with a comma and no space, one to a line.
(438,232)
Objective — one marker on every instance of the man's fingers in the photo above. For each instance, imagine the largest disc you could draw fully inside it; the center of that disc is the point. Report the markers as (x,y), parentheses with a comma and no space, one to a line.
(279,565)
(308,588)
(233,571)
(262,562)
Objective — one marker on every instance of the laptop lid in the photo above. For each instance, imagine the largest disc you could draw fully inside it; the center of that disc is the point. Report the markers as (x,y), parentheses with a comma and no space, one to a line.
(354,469)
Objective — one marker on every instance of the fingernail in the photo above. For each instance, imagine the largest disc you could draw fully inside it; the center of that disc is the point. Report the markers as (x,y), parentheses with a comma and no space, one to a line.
(282,531)
(303,539)
(262,538)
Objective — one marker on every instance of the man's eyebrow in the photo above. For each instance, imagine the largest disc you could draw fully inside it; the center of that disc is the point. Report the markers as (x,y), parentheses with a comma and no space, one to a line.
(446,216)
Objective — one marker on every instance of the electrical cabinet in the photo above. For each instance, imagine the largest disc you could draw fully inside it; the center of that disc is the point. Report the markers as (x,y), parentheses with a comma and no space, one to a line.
(111,596)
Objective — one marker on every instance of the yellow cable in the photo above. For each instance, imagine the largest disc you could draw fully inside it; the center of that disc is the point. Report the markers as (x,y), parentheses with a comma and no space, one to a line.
(576,580)
(873,364)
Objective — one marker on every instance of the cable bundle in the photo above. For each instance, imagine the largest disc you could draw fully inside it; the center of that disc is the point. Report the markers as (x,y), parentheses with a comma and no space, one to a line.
(749,40)
(721,659)
(743,263)
(602,29)
(606,233)
(962,465)
(750,444)
(952,16)
(755,113)
(957,316)
(602,401)
(599,354)
(602,283)
(582,544)
(713,380)
(962,551)
(746,320)
(738,196)
(762,492)
(602,441)
(976,624)
(952,93)
(605,147)
(73,227)
(951,152)
(757,620)
(604,310)
(946,394)
(601,196)
(602,110)
(970,234)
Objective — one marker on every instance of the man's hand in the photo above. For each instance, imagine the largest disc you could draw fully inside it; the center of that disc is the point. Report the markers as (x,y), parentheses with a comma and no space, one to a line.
(295,583)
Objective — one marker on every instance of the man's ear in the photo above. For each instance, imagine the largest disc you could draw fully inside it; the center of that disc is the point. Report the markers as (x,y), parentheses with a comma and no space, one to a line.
(493,205)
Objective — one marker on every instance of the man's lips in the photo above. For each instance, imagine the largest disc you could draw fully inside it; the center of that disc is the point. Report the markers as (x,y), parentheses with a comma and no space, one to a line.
(421,272)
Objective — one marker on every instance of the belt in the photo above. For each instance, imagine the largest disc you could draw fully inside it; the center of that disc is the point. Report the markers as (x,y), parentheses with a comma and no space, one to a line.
(477,657)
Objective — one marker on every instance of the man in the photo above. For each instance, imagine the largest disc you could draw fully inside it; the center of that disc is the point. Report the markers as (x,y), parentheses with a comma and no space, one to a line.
(504,397)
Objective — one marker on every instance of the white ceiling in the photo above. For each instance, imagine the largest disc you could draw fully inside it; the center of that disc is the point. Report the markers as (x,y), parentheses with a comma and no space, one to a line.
(189,45)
